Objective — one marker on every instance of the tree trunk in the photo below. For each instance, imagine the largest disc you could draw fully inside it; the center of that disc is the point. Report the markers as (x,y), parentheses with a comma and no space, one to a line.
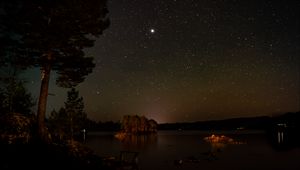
(45,76)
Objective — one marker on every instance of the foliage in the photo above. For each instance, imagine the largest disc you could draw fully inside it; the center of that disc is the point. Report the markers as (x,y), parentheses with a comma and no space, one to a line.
(51,35)
(71,119)
(16,128)
(36,29)
(75,111)
(58,124)
(138,125)
(2,99)
(15,99)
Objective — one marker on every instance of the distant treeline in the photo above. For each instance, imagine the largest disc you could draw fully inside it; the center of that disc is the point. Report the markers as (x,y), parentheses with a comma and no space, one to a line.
(291,119)
(103,126)
(129,124)
(251,123)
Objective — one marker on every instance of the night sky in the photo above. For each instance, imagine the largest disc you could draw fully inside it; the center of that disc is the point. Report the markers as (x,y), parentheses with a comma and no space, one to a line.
(191,60)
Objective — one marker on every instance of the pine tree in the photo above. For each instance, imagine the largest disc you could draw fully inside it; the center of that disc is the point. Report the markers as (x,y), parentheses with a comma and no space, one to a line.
(51,35)
(74,107)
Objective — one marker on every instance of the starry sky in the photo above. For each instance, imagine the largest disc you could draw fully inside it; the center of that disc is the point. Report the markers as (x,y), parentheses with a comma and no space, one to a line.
(191,60)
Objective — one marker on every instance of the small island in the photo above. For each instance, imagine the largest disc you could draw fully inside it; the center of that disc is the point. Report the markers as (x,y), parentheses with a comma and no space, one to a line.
(136,125)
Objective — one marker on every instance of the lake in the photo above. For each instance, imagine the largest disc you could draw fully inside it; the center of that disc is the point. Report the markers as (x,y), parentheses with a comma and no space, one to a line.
(188,150)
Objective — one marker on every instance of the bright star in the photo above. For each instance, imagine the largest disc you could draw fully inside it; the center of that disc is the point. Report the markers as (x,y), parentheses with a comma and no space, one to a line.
(152,30)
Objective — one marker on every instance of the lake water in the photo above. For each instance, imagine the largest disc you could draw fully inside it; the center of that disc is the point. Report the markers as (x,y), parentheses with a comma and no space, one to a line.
(163,151)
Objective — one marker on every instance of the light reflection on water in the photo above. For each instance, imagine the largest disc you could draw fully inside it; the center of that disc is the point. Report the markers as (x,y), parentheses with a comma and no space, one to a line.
(162,150)
(280,137)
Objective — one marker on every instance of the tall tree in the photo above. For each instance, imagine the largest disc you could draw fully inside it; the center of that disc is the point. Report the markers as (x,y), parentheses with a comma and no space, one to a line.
(51,34)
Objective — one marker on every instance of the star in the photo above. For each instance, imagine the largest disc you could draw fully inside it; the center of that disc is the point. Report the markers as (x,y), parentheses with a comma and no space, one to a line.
(152,30)
(158,57)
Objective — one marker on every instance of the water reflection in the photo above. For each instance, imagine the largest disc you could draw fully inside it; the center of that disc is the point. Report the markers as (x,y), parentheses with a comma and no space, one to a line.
(138,141)
(280,137)
(189,150)
(218,143)
(283,137)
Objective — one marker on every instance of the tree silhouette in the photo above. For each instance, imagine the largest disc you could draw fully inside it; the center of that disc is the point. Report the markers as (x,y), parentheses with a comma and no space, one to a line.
(74,107)
(134,124)
(15,99)
(58,124)
(51,34)
(70,118)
